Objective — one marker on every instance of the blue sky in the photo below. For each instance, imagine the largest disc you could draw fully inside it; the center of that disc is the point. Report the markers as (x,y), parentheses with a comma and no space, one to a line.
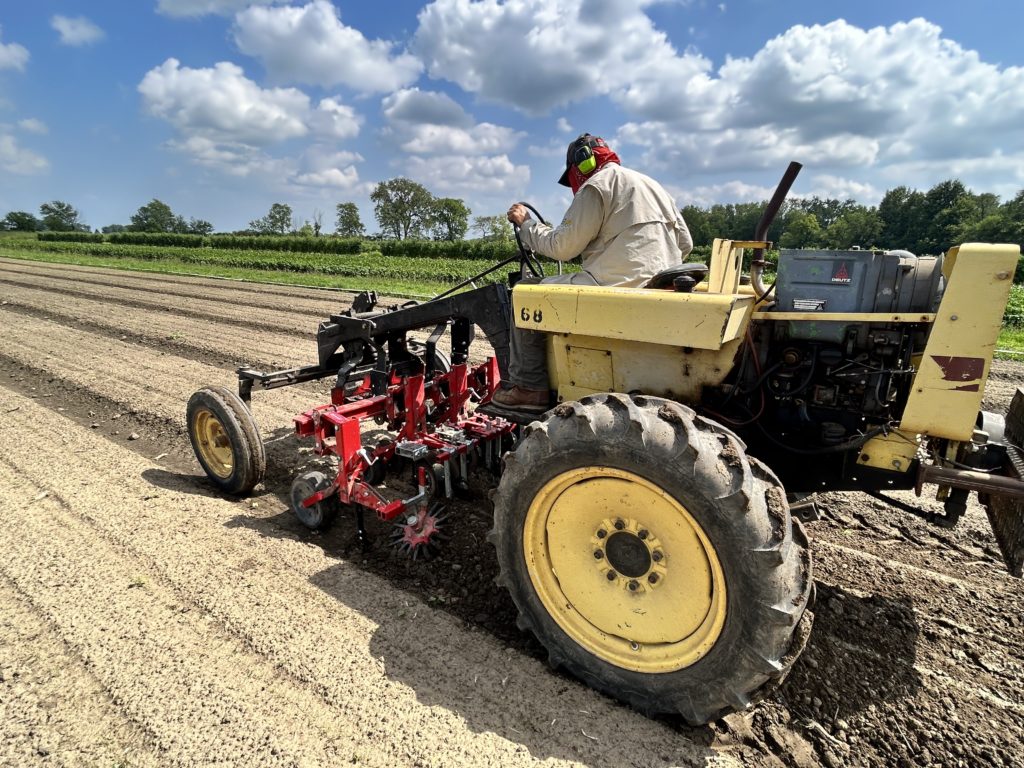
(222,107)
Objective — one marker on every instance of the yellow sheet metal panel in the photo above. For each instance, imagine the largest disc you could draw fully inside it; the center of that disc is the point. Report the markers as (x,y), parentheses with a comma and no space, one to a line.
(950,382)
(726,261)
(894,451)
(680,373)
(703,321)
(590,368)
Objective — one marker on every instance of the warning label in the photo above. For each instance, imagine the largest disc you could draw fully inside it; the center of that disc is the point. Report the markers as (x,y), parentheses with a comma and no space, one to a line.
(840,274)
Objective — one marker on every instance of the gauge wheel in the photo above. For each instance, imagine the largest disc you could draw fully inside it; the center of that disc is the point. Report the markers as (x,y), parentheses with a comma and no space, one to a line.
(318,516)
(226,440)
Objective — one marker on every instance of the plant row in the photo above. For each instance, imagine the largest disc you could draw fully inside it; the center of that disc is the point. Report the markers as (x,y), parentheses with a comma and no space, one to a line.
(460,249)
(373,264)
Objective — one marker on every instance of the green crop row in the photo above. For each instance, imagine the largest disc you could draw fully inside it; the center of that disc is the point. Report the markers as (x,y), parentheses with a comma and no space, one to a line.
(372,264)
(1014,316)
(463,249)
(71,237)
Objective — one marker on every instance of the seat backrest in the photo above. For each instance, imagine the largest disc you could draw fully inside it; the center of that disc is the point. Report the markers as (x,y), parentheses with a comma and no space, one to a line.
(664,280)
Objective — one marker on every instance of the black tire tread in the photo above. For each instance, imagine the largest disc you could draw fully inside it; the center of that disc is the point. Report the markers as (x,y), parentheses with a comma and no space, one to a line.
(762,638)
(250,456)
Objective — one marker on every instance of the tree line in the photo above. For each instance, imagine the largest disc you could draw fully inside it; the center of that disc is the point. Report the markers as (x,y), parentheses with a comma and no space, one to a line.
(921,222)
(404,209)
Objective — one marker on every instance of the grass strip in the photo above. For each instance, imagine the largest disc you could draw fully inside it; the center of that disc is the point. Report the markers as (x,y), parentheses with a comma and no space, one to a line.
(384,286)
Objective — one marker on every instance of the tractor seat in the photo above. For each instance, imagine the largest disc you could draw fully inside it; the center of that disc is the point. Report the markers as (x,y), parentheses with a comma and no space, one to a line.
(664,280)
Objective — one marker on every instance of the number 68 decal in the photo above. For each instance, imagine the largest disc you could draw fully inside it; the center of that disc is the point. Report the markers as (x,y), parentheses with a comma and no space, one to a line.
(524,315)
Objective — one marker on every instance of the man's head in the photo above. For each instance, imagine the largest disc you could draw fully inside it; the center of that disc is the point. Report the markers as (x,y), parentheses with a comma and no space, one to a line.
(586,154)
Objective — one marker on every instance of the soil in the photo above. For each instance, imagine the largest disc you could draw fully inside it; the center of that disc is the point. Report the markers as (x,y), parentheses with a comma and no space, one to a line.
(147,620)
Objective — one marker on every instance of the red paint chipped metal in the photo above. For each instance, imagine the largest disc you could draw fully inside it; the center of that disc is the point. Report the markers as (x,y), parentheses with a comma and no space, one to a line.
(960,368)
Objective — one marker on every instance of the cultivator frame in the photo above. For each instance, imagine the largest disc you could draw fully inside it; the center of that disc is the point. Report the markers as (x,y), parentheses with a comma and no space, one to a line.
(336,429)
(422,399)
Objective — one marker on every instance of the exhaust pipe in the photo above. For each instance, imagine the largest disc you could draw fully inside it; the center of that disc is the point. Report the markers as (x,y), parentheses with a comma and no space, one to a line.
(771,210)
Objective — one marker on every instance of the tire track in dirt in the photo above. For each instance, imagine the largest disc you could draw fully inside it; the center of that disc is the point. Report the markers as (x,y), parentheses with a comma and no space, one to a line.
(207,341)
(969,551)
(67,717)
(186,306)
(137,377)
(256,318)
(301,299)
(378,661)
(171,671)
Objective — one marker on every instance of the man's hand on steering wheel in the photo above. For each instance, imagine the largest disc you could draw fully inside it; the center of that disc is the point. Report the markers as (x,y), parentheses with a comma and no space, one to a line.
(528,261)
(517,214)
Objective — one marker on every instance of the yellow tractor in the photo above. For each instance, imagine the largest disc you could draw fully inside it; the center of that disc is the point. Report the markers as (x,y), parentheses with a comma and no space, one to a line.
(642,525)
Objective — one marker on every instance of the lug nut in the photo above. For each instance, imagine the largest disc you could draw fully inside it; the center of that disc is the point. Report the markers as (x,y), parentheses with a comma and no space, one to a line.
(611,575)
(634,585)
(642,533)
(601,533)
(656,556)
(598,554)
(653,578)
(619,525)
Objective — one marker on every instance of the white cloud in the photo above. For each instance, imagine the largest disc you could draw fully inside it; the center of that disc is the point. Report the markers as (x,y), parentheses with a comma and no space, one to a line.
(563,50)
(33,125)
(230,157)
(76,31)
(461,176)
(221,103)
(309,44)
(411,106)
(846,102)
(16,159)
(849,102)
(734,191)
(563,125)
(839,188)
(13,56)
(431,123)
(226,122)
(335,120)
(205,7)
(323,167)
(450,152)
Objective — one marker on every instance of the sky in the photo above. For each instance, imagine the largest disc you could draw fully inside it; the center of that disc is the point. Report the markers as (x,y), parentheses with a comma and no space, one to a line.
(222,107)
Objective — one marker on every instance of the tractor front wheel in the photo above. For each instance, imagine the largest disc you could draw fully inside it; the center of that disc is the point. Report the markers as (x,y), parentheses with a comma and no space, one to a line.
(226,440)
(651,557)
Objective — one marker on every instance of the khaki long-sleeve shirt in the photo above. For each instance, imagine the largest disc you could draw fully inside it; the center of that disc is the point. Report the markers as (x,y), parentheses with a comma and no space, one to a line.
(624,224)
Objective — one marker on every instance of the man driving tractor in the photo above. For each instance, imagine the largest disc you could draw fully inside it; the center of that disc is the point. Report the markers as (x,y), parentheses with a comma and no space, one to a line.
(625,226)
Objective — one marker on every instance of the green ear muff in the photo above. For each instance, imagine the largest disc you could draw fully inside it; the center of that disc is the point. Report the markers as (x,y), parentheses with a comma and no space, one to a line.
(587,165)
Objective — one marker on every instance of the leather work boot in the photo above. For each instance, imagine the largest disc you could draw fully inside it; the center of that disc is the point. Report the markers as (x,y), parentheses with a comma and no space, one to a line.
(516,398)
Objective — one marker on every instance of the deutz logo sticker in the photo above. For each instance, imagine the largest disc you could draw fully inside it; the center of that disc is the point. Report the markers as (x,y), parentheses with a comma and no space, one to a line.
(842,274)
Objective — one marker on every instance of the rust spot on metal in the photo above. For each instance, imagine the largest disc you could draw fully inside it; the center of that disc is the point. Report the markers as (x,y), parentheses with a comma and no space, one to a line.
(960,368)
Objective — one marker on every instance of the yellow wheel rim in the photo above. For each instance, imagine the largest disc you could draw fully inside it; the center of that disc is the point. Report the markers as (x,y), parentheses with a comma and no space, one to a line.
(624,569)
(212,443)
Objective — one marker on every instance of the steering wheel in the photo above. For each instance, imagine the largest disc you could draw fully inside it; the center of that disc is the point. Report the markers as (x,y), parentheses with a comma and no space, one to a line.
(528,260)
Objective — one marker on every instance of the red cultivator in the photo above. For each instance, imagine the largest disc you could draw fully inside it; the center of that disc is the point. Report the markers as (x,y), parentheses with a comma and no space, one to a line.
(432,429)
(411,389)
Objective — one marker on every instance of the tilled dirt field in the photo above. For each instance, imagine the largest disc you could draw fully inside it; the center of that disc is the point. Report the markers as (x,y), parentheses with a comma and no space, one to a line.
(146,620)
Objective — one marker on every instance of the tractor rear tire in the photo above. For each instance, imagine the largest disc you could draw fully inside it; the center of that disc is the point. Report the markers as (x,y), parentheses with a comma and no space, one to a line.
(652,557)
(226,440)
